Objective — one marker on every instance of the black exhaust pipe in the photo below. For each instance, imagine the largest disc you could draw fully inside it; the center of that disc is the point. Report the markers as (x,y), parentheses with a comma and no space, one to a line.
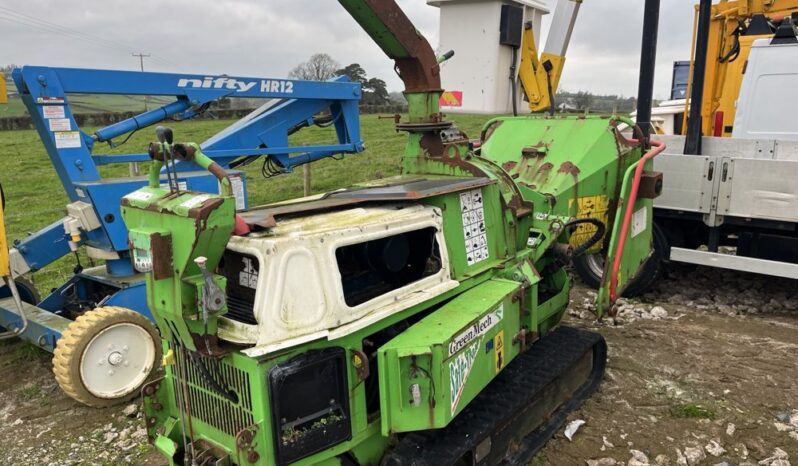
(692,142)
(648,59)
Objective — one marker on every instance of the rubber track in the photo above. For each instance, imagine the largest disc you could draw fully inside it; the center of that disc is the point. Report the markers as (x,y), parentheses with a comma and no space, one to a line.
(493,410)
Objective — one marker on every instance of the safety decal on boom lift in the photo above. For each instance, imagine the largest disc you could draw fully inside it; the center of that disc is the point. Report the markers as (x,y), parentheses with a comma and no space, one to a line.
(67,139)
(54,111)
(474,232)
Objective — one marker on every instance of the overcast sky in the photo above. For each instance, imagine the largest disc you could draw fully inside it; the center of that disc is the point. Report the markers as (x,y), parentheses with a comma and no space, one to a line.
(266,38)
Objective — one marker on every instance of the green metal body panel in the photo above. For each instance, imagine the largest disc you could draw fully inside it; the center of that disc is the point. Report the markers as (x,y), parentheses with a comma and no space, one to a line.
(434,369)
(170,231)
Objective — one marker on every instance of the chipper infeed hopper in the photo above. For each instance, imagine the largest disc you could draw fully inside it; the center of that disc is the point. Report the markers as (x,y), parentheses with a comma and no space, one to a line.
(409,320)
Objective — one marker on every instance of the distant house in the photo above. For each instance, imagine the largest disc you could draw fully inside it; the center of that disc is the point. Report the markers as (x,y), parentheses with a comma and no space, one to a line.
(567,106)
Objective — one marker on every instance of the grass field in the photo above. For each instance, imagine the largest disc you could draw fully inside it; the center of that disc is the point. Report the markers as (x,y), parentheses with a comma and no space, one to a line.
(35,197)
(85,103)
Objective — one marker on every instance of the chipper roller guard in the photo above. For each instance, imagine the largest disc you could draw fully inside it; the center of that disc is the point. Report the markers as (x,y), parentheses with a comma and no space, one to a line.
(407,321)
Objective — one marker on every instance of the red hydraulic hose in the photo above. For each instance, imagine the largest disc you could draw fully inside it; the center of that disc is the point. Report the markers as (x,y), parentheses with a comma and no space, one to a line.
(659,146)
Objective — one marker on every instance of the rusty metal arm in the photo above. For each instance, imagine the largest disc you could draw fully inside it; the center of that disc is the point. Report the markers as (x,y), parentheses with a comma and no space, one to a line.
(391,29)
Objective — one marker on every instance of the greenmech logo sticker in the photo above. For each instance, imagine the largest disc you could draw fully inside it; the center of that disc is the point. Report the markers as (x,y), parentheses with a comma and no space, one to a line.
(459,370)
(476,330)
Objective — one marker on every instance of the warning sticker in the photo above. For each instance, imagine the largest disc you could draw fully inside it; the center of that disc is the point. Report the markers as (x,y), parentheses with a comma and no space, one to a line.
(50,100)
(139,196)
(589,207)
(498,351)
(237,183)
(181,185)
(459,370)
(248,277)
(54,111)
(451,99)
(639,221)
(474,231)
(60,124)
(195,201)
(67,139)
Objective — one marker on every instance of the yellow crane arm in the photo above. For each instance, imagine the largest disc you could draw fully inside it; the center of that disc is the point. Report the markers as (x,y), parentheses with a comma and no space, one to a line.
(3,90)
(539,76)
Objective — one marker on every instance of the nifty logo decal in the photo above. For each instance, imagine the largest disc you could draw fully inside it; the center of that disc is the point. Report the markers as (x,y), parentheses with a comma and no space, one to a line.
(209,82)
(459,370)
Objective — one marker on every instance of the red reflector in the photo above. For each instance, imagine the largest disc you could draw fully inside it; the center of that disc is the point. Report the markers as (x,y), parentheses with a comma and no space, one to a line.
(241,228)
(718,128)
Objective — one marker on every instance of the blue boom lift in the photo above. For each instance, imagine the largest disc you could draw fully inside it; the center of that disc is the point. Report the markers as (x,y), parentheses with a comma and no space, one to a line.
(97,323)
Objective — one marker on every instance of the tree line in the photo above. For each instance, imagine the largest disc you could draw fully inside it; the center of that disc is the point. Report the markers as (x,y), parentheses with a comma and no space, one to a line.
(321,67)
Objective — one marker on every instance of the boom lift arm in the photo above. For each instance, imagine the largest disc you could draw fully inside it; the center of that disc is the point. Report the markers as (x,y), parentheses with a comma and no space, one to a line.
(541,76)
(734,25)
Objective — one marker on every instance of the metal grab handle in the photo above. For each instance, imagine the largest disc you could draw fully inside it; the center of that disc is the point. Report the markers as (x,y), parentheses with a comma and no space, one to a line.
(18,301)
(628,205)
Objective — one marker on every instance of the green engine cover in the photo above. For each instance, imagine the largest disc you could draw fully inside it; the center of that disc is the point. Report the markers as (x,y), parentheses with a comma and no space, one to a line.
(167,232)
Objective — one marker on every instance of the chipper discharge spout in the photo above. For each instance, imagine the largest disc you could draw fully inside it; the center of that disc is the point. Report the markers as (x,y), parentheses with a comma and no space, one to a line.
(408,320)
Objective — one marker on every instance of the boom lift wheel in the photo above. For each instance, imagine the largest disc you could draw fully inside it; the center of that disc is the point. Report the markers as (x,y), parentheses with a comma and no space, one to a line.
(590,267)
(106,355)
(27,291)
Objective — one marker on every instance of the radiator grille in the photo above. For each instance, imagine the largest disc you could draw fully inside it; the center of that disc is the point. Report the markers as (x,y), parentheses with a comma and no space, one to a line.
(241,310)
(209,406)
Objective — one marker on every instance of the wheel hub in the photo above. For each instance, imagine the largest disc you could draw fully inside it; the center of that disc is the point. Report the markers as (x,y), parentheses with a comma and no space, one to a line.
(117,360)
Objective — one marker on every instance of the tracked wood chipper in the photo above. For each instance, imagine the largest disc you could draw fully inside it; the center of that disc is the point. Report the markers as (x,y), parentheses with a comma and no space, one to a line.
(409,320)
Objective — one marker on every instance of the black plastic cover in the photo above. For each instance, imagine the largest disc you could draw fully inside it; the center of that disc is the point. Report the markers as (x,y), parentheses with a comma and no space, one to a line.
(310,403)
(511,25)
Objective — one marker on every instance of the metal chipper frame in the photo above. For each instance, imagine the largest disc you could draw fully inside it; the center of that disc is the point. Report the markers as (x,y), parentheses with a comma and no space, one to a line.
(412,320)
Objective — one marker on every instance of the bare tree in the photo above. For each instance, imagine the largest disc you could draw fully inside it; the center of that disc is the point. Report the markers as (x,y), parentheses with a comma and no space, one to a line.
(583,100)
(320,67)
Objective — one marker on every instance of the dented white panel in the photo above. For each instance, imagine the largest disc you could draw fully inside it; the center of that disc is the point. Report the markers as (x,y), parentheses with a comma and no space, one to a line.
(300,297)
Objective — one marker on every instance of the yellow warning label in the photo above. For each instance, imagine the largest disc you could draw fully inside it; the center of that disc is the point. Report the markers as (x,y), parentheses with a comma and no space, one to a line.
(589,207)
(498,350)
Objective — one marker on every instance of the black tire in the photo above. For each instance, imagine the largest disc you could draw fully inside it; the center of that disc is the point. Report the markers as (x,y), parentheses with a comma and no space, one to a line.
(27,291)
(590,267)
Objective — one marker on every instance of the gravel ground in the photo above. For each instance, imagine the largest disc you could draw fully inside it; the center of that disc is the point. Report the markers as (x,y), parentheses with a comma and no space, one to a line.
(702,370)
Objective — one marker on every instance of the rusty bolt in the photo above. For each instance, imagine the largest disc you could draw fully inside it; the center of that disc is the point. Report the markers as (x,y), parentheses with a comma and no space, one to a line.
(157,406)
(253,456)
(245,437)
(149,390)
(151,421)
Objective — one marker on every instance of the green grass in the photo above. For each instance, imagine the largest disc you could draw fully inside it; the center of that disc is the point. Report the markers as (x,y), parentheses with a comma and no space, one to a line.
(35,197)
(30,391)
(90,103)
(692,410)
